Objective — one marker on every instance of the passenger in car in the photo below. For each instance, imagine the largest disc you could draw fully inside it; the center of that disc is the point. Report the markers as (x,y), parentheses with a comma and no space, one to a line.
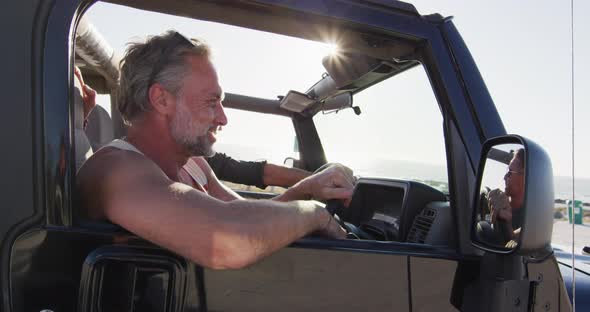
(253,173)
(170,96)
(88,95)
(84,102)
(256,173)
(505,206)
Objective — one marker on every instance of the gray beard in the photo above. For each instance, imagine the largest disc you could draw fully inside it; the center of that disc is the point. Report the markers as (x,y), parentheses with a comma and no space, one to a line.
(182,132)
(202,147)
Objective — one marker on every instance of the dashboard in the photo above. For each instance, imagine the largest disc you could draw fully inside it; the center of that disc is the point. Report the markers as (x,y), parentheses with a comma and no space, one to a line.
(400,210)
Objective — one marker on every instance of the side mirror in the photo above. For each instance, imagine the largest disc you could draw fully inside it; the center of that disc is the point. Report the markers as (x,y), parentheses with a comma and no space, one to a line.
(514,202)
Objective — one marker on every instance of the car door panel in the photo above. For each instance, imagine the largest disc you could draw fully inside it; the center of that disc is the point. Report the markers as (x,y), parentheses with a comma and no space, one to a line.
(305,279)
(432,281)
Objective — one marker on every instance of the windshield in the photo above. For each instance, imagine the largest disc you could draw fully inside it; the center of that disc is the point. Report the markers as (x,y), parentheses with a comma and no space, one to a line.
(399,132)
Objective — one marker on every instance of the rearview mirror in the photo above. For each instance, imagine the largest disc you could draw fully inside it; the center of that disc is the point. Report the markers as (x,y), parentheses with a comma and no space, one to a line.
(338,102)
(513,204)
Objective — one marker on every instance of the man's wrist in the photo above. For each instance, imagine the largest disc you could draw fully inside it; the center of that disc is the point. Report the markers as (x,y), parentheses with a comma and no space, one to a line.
(323,218)
(303,188)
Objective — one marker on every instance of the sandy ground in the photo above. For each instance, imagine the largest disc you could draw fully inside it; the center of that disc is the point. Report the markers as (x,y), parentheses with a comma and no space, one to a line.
(562,236)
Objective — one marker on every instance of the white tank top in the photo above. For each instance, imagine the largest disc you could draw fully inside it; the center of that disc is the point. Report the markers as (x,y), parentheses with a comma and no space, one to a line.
(195,172)
(122,145)
(191,168)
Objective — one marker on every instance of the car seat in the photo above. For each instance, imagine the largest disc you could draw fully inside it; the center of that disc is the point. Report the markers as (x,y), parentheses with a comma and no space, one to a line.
(100,128)
(83,149)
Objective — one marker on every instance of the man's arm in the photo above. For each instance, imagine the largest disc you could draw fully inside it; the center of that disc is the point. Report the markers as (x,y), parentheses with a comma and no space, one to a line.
(241,172)
(283,176)
(216,188)
(335,182)
(502,213)
(257,173)
(88,95)
(137,195)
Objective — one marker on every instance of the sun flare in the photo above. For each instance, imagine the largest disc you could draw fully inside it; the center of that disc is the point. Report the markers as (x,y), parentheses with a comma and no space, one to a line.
(330,48)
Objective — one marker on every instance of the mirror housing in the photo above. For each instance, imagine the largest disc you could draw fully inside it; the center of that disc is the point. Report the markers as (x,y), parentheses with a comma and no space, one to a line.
(537,206)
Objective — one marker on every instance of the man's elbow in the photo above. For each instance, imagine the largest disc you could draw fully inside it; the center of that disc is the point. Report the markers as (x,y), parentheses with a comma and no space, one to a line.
(231,254)
(229,261)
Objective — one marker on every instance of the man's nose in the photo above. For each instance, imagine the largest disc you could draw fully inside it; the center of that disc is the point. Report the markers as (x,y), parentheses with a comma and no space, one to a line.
(220,116)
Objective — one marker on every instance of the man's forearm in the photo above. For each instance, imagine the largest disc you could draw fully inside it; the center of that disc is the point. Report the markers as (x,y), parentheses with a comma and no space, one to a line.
(258,228)
(283,176)
(241,172)
(299,191)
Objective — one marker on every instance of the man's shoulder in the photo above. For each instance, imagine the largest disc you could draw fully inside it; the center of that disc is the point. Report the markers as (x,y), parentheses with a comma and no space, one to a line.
(110,172)
(111,157)
(94,178)
(110,162)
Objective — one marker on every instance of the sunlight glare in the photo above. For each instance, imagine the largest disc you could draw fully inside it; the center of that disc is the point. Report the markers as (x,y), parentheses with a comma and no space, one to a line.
(330,49)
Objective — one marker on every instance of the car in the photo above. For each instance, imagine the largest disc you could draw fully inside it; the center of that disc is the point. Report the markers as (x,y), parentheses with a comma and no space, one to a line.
(413,240)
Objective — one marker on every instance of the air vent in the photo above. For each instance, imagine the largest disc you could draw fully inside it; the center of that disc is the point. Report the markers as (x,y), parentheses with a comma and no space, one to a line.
(421,226)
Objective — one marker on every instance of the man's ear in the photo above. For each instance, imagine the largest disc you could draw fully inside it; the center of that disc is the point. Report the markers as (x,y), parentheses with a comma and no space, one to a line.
(161,100)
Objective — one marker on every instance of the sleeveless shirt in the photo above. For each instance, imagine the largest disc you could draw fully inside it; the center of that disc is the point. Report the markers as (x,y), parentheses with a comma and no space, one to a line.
(190,174)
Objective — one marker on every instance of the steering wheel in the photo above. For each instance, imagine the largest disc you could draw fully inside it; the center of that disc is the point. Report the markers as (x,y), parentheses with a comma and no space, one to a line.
(335,208)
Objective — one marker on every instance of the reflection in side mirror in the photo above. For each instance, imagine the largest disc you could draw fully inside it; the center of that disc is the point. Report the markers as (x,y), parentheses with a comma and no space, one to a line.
(513,200)
(499,212)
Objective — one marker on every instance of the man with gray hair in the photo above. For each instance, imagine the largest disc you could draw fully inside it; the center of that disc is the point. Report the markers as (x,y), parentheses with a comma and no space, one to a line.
(171,99)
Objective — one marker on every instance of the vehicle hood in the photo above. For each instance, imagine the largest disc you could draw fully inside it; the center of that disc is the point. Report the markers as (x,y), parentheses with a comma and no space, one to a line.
(582,263)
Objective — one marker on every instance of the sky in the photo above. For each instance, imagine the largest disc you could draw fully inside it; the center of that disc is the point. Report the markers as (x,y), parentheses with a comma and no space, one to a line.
(522,49)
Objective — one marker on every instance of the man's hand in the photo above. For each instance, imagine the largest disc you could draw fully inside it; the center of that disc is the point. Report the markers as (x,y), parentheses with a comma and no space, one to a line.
(333,230)
(88,94)
(500,206)
(330,228)
(334,182)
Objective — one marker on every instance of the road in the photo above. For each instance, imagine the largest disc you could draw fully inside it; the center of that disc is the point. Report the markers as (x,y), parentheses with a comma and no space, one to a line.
(562,236)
